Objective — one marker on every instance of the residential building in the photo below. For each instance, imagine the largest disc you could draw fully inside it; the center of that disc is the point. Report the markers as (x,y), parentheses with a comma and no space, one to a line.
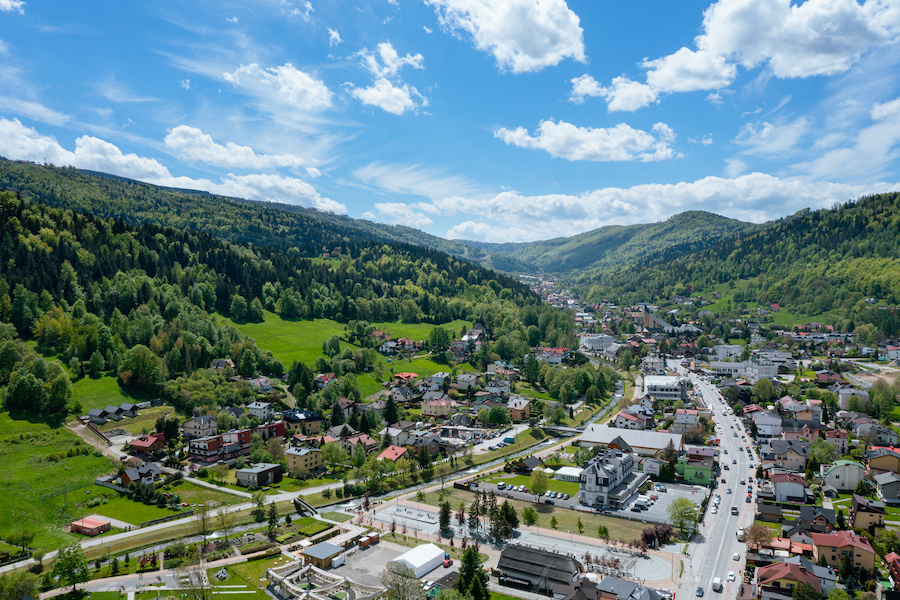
(301,460)
(259,475)
(302,419)
(818,516)
(893,562)
(844,475)
(264,411)
(437,408)
(345,405)
(608,479)
(832,547)
(349,444)
(398,436)
(881,460)
(519,408)
(402,394)
(684,422)
(666,387)
(424,439)
(725,351)
(323,380)
(542,569)
(786,454)
(526,465)
(198,427)
(148,443)
(393,453)
(777,580)
(220,365)
(866,514)
(465,381)
(626,420)
(788,487)
(262,385)
(838,437)
(226,446)
(888,488)
(147,473)
(653,365)
(498,387)
(90,526)
(642,443)
(613,588)
(697,465)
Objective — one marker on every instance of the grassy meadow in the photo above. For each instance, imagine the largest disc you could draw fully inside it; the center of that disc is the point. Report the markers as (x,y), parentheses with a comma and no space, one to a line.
(104,391)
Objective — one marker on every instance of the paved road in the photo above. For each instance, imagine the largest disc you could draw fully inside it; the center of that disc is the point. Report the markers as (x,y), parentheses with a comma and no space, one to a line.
(711,554)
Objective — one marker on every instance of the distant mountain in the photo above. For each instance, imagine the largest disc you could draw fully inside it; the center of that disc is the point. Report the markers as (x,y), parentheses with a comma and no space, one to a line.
(616,245)
(232,219)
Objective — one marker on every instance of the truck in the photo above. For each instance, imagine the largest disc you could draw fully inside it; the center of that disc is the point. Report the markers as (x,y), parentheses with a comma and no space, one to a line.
(509,440)
(717,584)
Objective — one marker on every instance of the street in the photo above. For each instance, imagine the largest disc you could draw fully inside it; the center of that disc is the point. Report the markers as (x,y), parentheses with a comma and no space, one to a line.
(713,549)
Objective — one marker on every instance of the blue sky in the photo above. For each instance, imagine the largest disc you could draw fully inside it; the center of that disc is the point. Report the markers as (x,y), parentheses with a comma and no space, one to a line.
(490,120)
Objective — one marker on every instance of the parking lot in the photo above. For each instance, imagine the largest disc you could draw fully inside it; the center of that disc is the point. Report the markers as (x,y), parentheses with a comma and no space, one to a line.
(365,566)
(527,496)
(658,511)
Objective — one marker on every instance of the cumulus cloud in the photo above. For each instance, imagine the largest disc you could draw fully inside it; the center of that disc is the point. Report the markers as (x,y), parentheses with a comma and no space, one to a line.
(192,144)
(395,96)
(12,6)
(20,142)
(334,38)
(427,29)
(304,13)
(388,97)
(522,35)
(817,37)
(619,143)
(232,19)
(757,197)
(388,62)
(399,213)
(285,85)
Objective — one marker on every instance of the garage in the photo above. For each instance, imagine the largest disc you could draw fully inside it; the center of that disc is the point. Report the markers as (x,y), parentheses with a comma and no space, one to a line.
(422,559)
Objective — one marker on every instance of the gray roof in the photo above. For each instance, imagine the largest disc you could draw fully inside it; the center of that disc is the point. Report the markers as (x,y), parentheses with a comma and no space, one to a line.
(259,468)
(886,478)
(636,438)
(808,513)
(322,551)
(96,412)
(559,568)
(783,446)
(818,571)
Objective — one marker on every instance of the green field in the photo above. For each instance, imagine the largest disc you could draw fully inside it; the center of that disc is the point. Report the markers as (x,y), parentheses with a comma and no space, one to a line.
(34,489)
(337,516)
(249,575)
(563,487)
(146,419)
(103,392)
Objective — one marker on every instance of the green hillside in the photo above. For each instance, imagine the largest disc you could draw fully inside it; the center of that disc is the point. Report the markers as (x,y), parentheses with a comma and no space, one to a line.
(815,263)
(617,244)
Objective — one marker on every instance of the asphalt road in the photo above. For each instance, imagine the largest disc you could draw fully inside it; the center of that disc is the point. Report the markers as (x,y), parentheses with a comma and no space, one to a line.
(711,554)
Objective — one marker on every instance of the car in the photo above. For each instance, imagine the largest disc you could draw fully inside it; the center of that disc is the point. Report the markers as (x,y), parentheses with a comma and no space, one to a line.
(730,576)
(715,510)
(185,504)
(728,491)
(740,532)
(743,481)
(548,502)
(501,486)
(448,562)
(734,510)
(732,426)
(566,496)
(123,457)
(726,450)
(736,556)
(654,497)
(726,467)
(521,488)
(751,465)
(748,499)
(699,592)
(661,488)
(525,490)
(553,494)
(734,461)
(635,508)
(723,480)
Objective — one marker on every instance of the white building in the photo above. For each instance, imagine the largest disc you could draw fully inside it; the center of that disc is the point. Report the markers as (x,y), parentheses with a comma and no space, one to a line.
(666,387)
(264,411)
(422,559)
(723,351)
(568,474)
(596,343)
(844,475)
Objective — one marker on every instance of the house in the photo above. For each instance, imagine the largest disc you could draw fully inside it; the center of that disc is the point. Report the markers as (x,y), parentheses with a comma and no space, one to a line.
(229,445)
(642,443)
(527,465)
(148,443)
(321,555)
(519,408)
(888,488)
(345,405)
(97,416)
(424,439)
(608,480)
(393,453)
(881,460)
(771,513)
(684,422)
(838,437)
(613,588)
(235,411)
(302,419)
(351,442)
(498,387)
(816,515)
(788,487)
(388,347)
(220,365)
(893,562)
(259,475)
(538,567)
(398,436)
(697,465)
(437,408)
(866,514)
(90,526)
(832,547)
(129,409)
(465,381)
(666,387)
(316,441)
(653,365)
(786,454)
(199,427)
(844,475)
(777,580)
(301,460)
(436,381)
(262,385)
(799,531)
(401,394)
(264,411)
(148,473)
(323,380)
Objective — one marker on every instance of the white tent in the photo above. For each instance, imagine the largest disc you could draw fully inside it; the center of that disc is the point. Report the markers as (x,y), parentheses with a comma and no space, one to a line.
(422,559)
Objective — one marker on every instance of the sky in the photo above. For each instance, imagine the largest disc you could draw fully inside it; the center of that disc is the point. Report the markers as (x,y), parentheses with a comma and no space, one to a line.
(488,120)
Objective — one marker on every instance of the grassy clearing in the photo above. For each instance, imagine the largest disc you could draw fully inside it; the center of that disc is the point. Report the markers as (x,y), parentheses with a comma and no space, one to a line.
(130,511)
(103,392)
(530,391)
(563,487)
(288,484)
(251,575)
(42,494)
(146,420)
(337,516)
(566,519)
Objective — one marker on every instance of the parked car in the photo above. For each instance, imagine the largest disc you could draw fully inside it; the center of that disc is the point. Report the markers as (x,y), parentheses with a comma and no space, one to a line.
(730,575)
(448,562)
(699,592)
(548,501)
(501,486)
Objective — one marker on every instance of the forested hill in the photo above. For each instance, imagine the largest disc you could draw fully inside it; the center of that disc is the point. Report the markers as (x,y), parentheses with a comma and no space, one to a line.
(616,245)
(818,261)
(312,232)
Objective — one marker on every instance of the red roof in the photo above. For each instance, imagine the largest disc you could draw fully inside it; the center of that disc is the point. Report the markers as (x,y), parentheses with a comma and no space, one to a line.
(146,442)
(781,477)
(791,571)
(841,539)
(392,453)
(627,415)
(89,523)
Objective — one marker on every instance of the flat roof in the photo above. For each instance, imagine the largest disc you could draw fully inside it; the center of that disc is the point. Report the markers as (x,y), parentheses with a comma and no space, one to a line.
(322,551)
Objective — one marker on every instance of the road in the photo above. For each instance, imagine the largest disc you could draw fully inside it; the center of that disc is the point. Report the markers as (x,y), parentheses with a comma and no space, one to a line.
(711,554)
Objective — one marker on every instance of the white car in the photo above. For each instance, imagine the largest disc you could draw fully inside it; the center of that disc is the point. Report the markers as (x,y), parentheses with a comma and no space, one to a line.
(740,532)
(736,556)
(715,510)
(730,575)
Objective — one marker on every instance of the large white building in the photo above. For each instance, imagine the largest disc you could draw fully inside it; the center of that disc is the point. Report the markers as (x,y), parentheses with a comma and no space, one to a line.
(666,387)
(609,480)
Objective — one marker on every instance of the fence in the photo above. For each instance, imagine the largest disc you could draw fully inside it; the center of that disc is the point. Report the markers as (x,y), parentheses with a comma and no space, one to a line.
(95,430)
(169,518)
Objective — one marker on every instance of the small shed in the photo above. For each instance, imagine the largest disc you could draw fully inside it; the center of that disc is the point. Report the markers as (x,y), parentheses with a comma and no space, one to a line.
(90,526)
(321,555)
(422,559)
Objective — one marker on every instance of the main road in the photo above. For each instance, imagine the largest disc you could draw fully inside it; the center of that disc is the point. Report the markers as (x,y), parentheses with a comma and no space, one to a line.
(712,552)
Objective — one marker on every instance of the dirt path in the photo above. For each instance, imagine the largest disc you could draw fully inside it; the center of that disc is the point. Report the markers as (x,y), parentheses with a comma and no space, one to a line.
(91,439)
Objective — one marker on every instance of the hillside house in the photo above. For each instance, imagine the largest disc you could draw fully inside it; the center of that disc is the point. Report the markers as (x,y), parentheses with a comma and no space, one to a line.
(519,408)
(323,380)
(844,475)
(308,460)
(786,454)
(393,453)
(220,365)
(788,487)
(264,411)
(302,419)
(867,514)
(888,488)
(465,381)
(147,473)
(148,444)
(262,385)
(838,437)
(198,427)
(438,408)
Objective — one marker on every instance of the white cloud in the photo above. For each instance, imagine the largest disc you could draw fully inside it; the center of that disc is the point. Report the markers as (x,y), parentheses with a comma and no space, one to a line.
(284,85)
(622,94)
(414,179)
(768,139)
(619,143)
(116,91)
(186,84)
(522,35)
(369,215)
(886,110)
(313,172)
(12,6)
(388,97)
(304,12)
(734,167)
(403,214)
(192,144)
(32,110)
(334,38)
(231,19)
(817,37)
(390,61)
(757,197)
(20,142)
(427,29)
(4,49)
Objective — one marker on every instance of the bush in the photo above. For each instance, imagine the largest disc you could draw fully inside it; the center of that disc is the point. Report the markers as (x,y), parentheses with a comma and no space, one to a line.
(203,473)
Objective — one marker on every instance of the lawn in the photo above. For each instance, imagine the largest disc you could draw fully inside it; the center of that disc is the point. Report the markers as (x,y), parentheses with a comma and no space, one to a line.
(251,575)
(40,493)
(130,511)
(566,519)
(103,392)
(529,390)
(146,420)
(337,516)
(288,484)
(563,487)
